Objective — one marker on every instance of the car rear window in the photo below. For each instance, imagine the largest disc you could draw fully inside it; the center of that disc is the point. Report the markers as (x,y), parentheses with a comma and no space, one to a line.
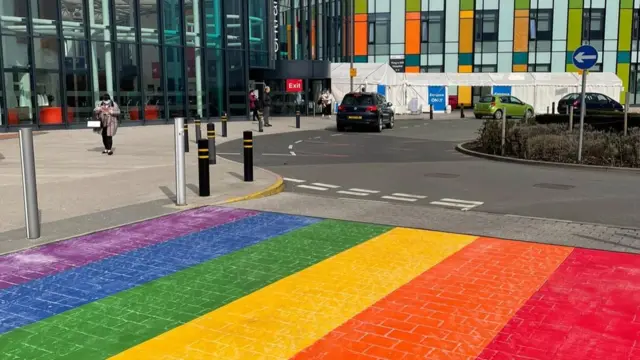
(358,100)
(486,99)
(571,97)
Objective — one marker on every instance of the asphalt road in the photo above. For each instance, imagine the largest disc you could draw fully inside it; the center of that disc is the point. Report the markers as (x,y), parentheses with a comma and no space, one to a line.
(416,164)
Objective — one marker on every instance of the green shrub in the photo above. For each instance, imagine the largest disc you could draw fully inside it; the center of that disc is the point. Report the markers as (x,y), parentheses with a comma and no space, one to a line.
(555,143)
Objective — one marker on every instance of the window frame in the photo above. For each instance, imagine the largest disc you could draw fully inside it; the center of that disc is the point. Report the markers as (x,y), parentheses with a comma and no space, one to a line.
(535,34)
(587,33)
(426,19)
(478,29)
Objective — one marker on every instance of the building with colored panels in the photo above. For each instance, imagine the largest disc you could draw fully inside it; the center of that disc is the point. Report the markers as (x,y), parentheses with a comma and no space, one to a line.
(487,35)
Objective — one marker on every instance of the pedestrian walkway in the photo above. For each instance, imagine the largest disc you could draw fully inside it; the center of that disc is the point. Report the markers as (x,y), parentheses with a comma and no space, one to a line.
(223,283)
(80,190)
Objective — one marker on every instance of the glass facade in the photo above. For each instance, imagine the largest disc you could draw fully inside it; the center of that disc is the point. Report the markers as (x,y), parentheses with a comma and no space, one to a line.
(158,59)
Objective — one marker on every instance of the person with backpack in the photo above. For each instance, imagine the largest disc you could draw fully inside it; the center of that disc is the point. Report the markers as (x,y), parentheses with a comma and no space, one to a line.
(253,105)
(107,112)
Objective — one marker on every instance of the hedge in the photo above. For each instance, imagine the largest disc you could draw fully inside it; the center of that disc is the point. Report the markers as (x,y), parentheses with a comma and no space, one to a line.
(555,143)
(605,122)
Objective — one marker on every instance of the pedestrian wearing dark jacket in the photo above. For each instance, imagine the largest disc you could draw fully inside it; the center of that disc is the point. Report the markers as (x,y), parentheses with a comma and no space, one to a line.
(266,106)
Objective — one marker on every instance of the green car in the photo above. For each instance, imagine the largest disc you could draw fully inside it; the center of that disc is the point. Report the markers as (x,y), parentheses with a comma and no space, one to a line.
(496,105)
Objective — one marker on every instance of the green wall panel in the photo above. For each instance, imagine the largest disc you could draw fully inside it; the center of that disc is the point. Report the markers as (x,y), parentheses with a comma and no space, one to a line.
(624,29)
(576,4)
(412,60)
(574,31)
(412,5)
(522,4)
(626,4)
(467,5)
(520,58)
(360,59)
(361,6)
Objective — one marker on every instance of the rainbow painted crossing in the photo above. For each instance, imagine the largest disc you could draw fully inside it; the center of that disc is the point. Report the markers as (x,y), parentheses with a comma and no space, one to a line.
(218,283)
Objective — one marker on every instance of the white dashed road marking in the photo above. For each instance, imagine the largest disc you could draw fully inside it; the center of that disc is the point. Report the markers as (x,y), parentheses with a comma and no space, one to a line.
(399,198)
(298,142)
(326,185)
(464,205)
(313,187)
(355,193)
(336,135)
(293,180)
(290,147)
(409,195)
(365,191)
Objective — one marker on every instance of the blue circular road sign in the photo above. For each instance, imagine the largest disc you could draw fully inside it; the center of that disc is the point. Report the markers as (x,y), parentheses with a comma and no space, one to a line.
(585,57)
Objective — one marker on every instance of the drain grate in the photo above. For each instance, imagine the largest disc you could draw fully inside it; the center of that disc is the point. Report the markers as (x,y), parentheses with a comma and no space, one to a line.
(554,186)
(442,175)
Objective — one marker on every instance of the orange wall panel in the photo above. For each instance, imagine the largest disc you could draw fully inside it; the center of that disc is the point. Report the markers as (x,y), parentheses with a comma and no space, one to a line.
(361,17)
(289,42)
(413,16)
(412,69)
(521,32)
(412,37)
(466,36)
(519,68)
(361,38)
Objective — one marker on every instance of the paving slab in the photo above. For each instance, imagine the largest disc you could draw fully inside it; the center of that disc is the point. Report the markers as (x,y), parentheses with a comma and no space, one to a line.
(231,283)
(81,190)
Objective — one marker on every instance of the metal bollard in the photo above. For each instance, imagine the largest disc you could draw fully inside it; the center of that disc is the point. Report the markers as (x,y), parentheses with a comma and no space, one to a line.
(198,127)
(297,119)
(553,108)
(260,122)
(430,111)
(29,184)
(462,111)
(571,118)
(504,131)
(186,137)
(247,137)
(547,110)
(211,136)
(204,186)
(626,113)
(224,125)
(181,184)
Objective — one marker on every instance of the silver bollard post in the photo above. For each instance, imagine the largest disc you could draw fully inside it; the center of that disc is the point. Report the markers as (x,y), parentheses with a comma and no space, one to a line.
(29,185)
(626,113)
(504,130)
(181,183)
(571,118)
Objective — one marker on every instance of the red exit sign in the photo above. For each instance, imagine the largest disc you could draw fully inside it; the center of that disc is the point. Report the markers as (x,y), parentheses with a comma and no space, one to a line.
(294,85)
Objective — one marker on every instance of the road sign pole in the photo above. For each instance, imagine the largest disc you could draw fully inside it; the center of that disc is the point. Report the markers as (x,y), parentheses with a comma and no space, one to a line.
(352,47)
(583,107)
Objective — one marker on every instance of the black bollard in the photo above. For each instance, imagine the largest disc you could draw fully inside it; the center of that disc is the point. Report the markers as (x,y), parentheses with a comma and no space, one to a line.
(553,108)
(247,137)
(297,119)
(260,122)
(430,112)
(461,110)
(547,110)
(211,136)
(198,126)
(186,137)
(204,186)
(224,125)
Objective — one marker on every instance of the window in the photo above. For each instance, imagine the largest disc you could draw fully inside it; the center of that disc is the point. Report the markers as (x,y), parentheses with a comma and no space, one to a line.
(432,32)
(379,29)
(485,69)
(540,24)
(593,24)
(432,69)
(486,26)
(635,32)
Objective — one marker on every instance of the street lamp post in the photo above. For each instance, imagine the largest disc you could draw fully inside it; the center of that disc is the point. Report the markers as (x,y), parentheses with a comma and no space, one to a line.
(352,42)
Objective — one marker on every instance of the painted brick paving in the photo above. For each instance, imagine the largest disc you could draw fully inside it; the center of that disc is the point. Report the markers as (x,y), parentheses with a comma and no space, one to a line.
(106,327)
(234,284)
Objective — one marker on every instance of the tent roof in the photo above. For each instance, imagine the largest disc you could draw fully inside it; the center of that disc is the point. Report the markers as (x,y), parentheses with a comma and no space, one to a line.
(368,73)
(512,79)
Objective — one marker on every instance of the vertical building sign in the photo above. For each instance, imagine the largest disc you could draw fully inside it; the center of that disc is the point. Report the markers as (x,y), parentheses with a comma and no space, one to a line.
(276,28)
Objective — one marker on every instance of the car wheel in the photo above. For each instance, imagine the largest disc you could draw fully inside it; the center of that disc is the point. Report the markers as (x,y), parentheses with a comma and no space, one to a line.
(478,116)
(340,127)
(391,122)
(497,115)
(528,115)
(380,125)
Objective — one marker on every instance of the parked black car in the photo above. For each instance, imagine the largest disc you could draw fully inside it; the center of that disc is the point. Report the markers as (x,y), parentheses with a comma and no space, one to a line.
(596,103)
(365,109)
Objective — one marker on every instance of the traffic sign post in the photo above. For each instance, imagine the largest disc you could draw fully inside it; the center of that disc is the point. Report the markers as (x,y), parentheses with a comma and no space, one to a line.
(584,58)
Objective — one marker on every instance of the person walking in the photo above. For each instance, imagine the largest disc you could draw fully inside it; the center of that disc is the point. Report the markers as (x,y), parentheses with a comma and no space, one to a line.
(326,104)
(253,105)
(107,112)
(266,106)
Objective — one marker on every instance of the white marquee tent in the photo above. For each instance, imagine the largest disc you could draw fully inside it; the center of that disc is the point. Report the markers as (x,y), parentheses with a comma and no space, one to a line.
(374,77)
(538,89)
